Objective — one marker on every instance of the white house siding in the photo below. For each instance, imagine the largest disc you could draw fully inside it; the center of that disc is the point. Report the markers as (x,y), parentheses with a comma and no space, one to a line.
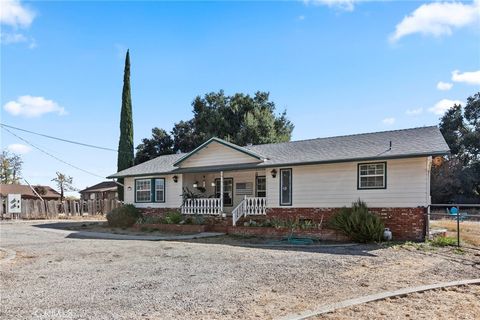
(238,177)
(173,192)
(335,185)
(216,154)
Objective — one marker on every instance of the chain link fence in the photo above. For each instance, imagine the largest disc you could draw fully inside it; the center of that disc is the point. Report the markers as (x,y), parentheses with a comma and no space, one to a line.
(457,222)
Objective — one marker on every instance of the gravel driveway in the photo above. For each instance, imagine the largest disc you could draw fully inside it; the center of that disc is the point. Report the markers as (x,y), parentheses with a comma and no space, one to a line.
(54,277)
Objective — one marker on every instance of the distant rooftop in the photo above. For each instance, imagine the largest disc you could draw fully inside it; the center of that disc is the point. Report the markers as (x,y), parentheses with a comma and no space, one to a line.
(101,187)
(45,192)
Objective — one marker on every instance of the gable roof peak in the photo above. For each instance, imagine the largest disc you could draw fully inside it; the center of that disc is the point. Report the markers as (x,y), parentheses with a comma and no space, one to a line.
(223,142)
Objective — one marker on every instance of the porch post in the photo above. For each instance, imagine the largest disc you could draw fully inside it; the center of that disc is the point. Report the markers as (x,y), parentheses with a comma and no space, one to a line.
(221,191)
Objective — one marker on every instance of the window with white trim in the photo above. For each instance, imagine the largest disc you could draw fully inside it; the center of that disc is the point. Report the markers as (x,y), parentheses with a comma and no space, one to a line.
(160,190)
(143,190)
(372,175)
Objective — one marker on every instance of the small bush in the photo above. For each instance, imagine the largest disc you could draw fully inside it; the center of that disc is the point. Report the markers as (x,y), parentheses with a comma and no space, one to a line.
(443,242)
(198,219)
(173,217)
(306,224)
(151,220)
(358,223)
(123,217)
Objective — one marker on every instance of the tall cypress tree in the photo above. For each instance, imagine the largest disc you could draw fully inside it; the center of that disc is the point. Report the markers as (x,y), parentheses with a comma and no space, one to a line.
(125,145)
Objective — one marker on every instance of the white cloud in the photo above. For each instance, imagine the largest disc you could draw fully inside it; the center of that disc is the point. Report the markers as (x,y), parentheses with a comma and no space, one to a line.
(14,14)
(443,105)
(437,19)
(11,38)
(8,38)
(19,148)
(472,77)
(388,121)
(414,112)
(347,5)
(301,18)
(444,86)
(29,107)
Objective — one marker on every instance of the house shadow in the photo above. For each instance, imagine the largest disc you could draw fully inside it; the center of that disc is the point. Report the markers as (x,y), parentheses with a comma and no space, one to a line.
(324,247)
(74,230)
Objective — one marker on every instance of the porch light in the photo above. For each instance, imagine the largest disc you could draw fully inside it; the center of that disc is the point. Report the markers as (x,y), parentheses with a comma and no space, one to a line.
(195,184)
(175,179)
(129,188)
(274,173)
(212,184)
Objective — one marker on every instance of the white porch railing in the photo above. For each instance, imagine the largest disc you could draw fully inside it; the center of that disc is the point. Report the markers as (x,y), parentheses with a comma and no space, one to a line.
(249,207)
(202,206)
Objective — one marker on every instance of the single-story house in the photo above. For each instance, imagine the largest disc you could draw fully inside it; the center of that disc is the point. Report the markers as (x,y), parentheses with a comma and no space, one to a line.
(388,170)
(106,190)
(26,192)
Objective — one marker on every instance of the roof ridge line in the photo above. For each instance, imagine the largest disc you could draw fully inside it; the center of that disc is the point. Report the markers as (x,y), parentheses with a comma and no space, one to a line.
(342,136)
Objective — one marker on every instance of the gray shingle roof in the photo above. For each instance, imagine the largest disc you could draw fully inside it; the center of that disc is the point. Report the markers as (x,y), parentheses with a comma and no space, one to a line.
(423,141)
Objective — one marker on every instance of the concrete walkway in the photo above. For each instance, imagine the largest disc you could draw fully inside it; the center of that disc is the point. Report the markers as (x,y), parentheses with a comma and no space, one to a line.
(375,297)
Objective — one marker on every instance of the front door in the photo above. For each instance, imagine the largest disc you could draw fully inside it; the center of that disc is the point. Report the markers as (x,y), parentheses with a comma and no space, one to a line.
(227,191)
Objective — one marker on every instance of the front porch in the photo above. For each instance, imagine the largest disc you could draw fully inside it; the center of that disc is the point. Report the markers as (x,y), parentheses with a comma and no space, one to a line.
(231,193)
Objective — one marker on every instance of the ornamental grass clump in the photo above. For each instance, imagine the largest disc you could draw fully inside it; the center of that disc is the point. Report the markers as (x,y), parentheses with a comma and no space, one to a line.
(358,223)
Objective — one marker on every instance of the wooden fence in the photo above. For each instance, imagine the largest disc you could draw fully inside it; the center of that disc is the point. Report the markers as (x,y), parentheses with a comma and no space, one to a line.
(53,209)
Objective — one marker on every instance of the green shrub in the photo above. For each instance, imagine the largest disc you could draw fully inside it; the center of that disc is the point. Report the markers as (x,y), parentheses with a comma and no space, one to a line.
(358,223)
(306,224)
(173,217)
(123,217)
(198,219)
(266,223)
(151,220)
(443,242)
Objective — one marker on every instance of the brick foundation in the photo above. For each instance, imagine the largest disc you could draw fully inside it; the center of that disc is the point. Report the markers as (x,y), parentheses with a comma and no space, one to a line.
(405,223)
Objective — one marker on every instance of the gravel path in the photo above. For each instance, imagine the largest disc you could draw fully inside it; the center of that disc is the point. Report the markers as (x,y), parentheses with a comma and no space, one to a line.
(53,277)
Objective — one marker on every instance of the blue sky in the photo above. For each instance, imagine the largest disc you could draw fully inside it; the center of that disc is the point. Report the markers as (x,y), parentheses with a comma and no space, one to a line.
(337,67)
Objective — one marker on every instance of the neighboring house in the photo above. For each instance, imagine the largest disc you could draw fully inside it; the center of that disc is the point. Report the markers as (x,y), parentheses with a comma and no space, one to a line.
(106,190)
(308,179)
(46,192)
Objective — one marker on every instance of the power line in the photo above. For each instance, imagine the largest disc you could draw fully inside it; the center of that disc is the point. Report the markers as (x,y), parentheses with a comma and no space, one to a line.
(51,155)
(60,139)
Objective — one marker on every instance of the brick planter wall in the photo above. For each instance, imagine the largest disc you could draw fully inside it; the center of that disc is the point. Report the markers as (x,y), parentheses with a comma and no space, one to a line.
(323,234)
(405,223)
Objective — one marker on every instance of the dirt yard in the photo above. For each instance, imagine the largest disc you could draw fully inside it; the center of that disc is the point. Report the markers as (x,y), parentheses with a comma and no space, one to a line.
(469,230)
(58,277)
(449,303)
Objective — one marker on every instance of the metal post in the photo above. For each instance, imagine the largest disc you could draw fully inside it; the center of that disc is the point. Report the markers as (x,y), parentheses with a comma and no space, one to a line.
(458,226)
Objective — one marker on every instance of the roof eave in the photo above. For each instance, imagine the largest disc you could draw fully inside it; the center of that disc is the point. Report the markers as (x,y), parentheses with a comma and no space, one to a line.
(266,165)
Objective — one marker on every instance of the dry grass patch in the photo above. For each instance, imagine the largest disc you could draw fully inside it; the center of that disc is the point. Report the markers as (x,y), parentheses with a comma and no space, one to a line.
(469,230)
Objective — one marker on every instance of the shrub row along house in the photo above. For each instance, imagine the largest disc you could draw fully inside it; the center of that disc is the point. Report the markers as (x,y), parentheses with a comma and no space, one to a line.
(307,179)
